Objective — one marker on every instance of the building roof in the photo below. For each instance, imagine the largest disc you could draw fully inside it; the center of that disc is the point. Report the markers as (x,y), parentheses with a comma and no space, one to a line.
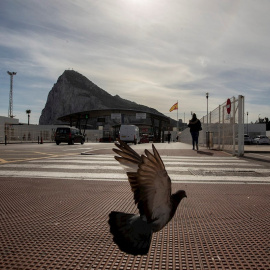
(107,112)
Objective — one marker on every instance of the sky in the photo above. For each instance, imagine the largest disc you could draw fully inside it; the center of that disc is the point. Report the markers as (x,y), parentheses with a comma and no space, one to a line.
(152,52)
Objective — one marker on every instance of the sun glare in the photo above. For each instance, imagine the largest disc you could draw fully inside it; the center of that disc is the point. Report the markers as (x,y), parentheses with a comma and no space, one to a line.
(140,6)
(140,2)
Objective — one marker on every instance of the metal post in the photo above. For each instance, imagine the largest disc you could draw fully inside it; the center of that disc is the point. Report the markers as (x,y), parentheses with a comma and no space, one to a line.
(10,109)
(240,125)
(207,131)
(233,127)
(219,133)
(207,95)
(247,123)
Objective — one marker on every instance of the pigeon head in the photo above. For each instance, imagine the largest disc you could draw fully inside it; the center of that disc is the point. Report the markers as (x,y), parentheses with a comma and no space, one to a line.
(176,199)
(180,194)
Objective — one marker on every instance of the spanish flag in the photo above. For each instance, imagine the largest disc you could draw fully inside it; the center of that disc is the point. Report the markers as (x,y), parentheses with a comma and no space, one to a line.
(174,107)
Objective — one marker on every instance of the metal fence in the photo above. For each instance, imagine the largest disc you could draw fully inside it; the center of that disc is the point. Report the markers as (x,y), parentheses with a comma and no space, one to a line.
(27,133)
(222,131)
(10,133)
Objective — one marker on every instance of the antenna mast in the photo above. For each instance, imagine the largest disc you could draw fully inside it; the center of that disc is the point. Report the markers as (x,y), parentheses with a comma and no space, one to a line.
(10,108)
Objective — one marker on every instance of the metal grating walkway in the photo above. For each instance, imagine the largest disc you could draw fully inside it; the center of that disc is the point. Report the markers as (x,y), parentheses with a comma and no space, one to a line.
(62,224)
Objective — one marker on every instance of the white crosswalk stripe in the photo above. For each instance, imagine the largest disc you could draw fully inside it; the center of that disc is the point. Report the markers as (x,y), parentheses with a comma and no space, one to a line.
(105,167)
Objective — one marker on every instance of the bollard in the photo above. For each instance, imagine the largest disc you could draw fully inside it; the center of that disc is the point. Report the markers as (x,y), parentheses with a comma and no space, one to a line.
(5,139)
(41,140)
(38,139)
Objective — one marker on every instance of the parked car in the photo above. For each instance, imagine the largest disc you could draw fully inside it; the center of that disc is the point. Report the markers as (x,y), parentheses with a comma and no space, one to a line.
(144,138)
(129,133)
(106,139)
(151,137)
(69,135)
(247,139)
(261,139)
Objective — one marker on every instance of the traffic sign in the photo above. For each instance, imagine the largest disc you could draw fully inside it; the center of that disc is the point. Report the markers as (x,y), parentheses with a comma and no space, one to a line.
(228,106)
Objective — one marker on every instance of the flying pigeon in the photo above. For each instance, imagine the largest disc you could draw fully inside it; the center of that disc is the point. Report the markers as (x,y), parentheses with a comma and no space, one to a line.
(151,186)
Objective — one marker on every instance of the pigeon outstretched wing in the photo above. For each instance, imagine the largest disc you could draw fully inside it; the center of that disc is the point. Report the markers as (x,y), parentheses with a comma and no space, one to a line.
(127,156)
(150,184)
(154,189)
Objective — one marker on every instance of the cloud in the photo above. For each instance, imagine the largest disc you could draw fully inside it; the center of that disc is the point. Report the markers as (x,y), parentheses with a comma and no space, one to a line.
(152,52)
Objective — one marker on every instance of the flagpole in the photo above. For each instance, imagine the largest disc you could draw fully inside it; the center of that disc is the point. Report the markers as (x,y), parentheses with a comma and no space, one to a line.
(177,117)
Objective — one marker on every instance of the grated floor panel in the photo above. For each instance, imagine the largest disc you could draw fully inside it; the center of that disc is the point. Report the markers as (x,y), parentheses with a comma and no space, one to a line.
(62,224)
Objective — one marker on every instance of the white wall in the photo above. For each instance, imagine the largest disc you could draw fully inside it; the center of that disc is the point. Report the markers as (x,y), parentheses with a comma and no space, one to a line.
(255,129)
(6,121)
(33,133)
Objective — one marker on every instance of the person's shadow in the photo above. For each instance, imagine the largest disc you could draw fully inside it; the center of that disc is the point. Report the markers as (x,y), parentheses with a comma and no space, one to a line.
(205,153)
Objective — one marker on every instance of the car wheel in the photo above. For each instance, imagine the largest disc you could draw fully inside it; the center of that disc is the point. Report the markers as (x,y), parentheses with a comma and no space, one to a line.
(57,142)
(82,141)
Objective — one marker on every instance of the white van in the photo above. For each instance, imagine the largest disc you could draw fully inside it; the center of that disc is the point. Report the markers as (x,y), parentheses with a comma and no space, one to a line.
(129,133)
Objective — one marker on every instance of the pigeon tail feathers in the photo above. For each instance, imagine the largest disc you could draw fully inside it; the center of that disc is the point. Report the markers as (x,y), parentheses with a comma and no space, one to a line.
(131,233)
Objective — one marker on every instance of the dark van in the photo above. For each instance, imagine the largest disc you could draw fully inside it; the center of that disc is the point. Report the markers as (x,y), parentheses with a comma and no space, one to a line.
(69,135)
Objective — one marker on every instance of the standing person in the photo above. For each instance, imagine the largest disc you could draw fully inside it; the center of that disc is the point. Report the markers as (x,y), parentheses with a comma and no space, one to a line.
(169,137)
(195,126)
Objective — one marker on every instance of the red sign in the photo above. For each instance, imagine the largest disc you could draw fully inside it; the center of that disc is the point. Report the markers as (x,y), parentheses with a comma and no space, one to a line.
(228,106)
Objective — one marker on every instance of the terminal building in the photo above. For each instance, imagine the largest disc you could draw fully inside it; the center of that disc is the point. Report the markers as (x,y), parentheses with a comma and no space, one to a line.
(110,120)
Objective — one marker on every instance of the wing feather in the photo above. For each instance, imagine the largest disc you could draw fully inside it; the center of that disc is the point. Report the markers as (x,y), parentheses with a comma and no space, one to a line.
(127,156)
(155,185)
(150,182)
(126,150)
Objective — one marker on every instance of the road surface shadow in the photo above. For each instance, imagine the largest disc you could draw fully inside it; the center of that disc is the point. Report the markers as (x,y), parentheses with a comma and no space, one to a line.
(204,153)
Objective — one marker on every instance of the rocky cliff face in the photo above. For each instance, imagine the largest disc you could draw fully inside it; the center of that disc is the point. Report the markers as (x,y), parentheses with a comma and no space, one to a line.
(75,93)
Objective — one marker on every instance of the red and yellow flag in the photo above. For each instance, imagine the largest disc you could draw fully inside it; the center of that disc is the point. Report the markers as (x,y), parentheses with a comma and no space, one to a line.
(174,107)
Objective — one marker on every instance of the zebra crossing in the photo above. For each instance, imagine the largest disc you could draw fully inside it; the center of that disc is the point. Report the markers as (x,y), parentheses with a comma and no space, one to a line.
(105,168)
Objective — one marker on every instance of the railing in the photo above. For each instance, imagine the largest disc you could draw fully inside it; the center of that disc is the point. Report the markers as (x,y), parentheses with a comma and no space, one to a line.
(24,133)
(10,133)
(226,130)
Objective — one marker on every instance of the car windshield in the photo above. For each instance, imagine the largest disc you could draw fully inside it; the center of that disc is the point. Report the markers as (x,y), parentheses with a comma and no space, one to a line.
(62,131)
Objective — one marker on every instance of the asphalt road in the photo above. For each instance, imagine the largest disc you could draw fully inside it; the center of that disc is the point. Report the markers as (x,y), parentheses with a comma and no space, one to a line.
(24,152)
(55,202)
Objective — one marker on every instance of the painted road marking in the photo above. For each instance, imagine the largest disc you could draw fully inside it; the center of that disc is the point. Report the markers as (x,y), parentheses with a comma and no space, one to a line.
(84,166)
(106,168)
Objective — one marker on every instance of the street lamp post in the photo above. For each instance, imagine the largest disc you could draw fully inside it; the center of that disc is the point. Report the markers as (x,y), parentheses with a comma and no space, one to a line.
(247,123)
(207,95)
(207,132)
(28,112)
(10,108)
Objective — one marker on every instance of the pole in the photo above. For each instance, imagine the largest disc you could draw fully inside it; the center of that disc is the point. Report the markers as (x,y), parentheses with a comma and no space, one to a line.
(241,108)
(247,123)
(10,109)
(177,118)
(207,95)
(207,131)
